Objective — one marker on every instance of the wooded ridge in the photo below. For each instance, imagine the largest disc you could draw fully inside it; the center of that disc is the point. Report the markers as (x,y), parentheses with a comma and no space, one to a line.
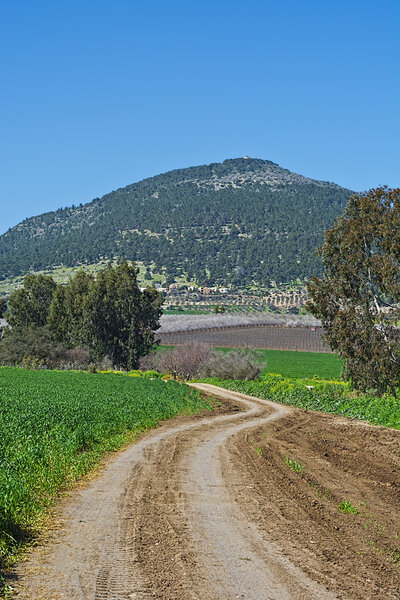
(238,222)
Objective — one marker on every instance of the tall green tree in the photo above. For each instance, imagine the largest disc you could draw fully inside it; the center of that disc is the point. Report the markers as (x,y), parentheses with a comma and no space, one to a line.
(358,296)
(3,307)
(67,315)
(121,319)
(29,306)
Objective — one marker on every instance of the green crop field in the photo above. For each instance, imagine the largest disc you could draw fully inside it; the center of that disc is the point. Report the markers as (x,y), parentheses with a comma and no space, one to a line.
(290,363)
(303,364)
(56,425)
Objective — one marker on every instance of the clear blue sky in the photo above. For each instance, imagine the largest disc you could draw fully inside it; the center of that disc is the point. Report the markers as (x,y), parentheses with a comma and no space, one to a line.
(99,94)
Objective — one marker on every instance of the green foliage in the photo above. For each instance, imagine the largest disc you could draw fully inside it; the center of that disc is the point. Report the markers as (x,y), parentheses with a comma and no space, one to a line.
(325,396)
(293,465)
(3,307)
(29,306)
(120,319)
(68,317)
(359,294)
(186,311)
(109,314)
(303,364)
(219,308)
(179,222)
(32,347)
(347,507)
(55,426)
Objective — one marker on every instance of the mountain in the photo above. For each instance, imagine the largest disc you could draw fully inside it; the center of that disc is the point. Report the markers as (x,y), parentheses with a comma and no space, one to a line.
(241,221)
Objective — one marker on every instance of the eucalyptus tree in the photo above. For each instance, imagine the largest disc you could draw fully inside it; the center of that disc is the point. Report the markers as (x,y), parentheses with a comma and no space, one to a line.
(358,296)
(29,305)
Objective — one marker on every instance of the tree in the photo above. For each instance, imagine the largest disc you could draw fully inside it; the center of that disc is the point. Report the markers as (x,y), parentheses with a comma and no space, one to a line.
(29,306)
(3,307)
(358,296)
(109,315)
(121,319)
(67,315)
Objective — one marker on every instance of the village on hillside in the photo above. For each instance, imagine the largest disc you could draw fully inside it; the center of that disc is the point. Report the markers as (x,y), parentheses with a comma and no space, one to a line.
(276,299)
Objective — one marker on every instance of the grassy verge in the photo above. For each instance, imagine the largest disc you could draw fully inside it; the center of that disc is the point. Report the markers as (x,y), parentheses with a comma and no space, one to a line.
(327,396)
(55,426)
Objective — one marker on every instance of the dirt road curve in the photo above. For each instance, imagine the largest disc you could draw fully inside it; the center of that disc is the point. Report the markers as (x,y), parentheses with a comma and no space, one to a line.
(176,517)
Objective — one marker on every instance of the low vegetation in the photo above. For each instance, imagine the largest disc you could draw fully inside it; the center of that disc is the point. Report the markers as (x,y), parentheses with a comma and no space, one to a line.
(347,507)
(195,359)
(293,464)
(56,425)
(323,395)
(236,364)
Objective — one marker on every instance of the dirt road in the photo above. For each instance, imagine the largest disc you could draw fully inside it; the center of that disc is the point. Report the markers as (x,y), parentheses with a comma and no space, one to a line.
(205,508)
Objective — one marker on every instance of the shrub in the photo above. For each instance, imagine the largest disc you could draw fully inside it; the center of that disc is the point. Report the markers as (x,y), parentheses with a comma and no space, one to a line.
(104,363)
(151,374)
(220,308)
(76,358)
(149,362)
(185,361)
(33,363)
(237,364)
(33,347)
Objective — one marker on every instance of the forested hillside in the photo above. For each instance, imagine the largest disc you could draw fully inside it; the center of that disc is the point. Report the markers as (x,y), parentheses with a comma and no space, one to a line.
(237,222)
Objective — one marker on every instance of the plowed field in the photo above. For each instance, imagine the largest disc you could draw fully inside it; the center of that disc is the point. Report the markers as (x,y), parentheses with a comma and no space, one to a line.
(273,338)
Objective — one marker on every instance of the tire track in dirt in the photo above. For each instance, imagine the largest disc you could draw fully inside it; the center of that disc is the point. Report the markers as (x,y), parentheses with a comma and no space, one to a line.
(159,522)
(248,564)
